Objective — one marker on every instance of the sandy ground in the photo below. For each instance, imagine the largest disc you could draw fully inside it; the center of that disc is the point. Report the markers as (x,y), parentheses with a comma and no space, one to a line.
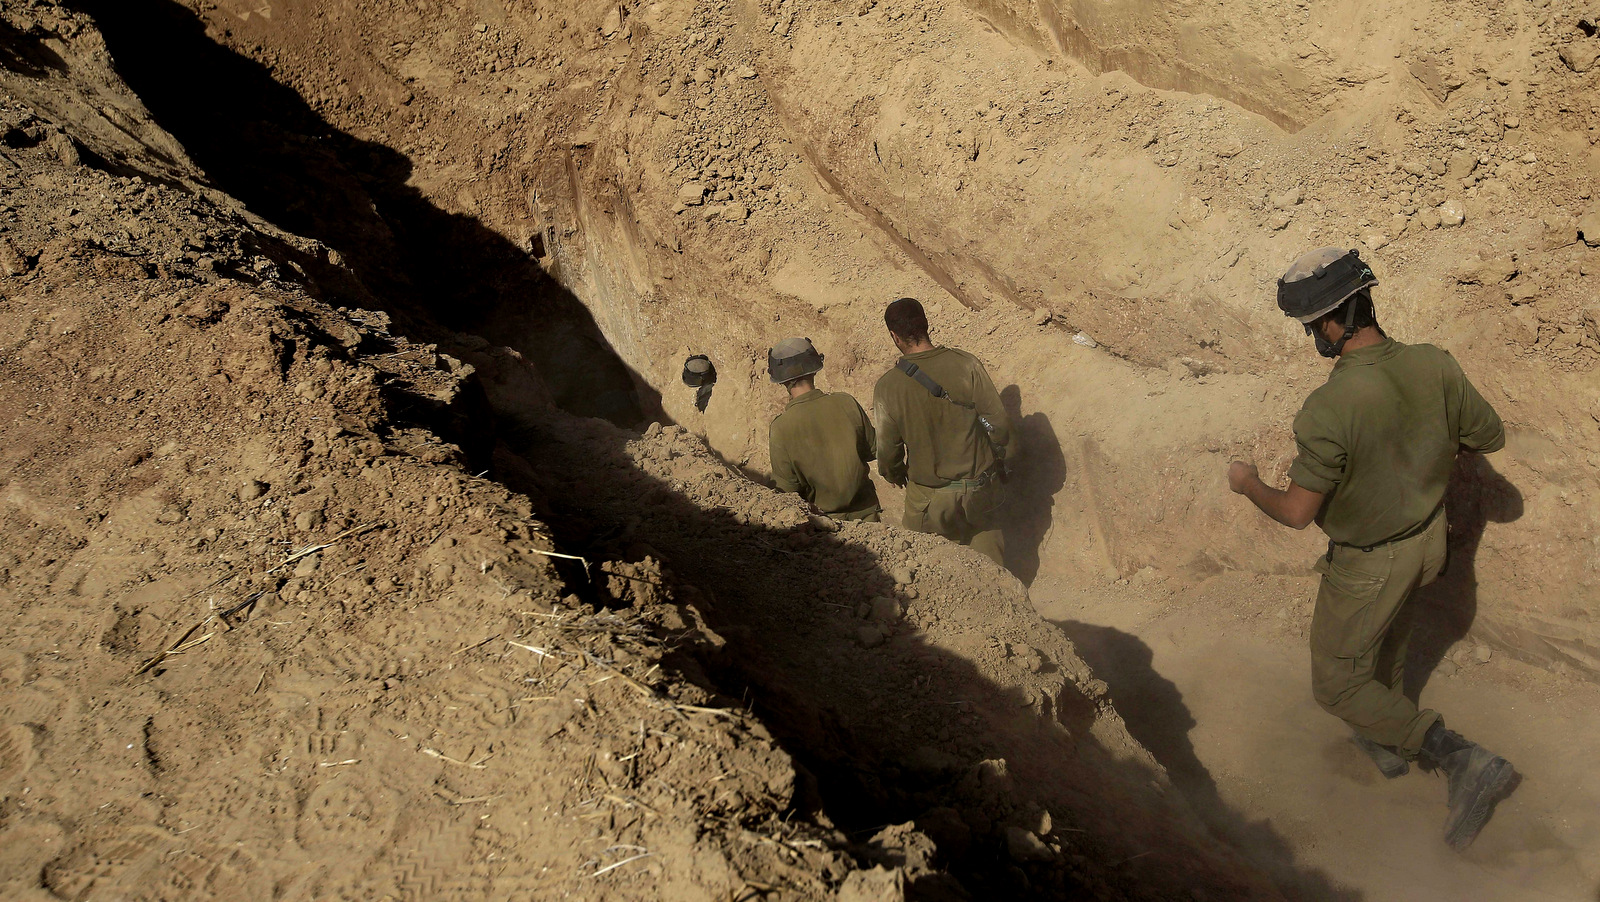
(434,267)
(1223,701)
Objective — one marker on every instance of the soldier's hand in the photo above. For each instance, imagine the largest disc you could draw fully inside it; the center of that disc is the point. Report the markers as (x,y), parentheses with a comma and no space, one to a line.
(1241,474)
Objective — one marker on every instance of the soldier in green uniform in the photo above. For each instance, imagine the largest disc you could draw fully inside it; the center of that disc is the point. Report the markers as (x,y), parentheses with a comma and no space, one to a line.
(1377,443)
(822,442)
(942,433)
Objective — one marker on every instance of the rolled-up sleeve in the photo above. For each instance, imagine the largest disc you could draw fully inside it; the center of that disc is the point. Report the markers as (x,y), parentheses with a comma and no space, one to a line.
(1481,429)
(1320,462)
(891,447)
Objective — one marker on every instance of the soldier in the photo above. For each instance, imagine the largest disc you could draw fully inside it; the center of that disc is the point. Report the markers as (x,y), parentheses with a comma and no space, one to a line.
(942,434)
(822,441)
(1376,446)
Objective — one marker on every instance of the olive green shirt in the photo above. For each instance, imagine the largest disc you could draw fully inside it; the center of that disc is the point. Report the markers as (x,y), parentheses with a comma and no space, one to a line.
(820,447)
(930,440)
(1381,436)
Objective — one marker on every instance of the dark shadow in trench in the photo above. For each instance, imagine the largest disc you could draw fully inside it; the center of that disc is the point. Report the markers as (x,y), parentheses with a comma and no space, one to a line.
(435,272)
(1039,472)
(1443,613)
(886,733)
(1155,714)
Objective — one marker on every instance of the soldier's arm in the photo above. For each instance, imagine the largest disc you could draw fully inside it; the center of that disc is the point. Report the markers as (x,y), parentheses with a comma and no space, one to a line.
(866,436)
(891,448)
(1481,429)
(987,401)
(1295,507)
(784,474)
(1317,470)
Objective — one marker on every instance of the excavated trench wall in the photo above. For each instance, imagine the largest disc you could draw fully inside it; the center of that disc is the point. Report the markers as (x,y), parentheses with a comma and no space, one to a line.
(969,159)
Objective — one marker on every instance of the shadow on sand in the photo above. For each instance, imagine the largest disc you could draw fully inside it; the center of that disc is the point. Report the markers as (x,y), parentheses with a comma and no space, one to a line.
(1038,474)
(1443,613)
(436,272)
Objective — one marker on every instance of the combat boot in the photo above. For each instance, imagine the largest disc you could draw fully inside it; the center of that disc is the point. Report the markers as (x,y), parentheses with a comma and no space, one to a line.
(1479,779)
(1390,764)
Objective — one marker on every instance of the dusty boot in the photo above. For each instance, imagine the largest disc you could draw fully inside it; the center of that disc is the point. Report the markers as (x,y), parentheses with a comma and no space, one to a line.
(1388,762)
(1479,779)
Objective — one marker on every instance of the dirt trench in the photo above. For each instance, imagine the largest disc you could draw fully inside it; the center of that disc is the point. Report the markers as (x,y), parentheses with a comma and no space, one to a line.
(555,279)
(984,704)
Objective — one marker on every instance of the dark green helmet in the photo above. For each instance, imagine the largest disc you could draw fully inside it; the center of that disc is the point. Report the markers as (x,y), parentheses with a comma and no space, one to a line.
(698,371)
(1321,280)
(791,359)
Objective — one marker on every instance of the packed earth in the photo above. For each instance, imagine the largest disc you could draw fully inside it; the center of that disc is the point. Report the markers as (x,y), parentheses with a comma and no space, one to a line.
(362,540)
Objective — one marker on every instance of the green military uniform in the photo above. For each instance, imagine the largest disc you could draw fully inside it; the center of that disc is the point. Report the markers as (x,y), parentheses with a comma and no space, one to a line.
(1380,440)
(939,451)
(820,447)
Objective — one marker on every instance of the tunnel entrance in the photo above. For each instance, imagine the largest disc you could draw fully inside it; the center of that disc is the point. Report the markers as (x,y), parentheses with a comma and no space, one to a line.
(437,272)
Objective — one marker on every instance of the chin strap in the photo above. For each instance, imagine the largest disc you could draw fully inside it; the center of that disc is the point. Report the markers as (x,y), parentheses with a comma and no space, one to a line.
(1334,349)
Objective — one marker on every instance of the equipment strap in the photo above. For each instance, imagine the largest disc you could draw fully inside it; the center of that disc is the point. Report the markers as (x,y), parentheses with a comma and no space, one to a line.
(926,381)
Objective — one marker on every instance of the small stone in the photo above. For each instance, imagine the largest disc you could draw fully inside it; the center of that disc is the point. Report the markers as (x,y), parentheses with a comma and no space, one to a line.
(307,566)
(869,636)
(1280,221)
(1287,199)
(1374,241)
(1412,167)
(12,263)
(1589,227)
(1082,339)
(654,429)
(885,609)
(1429,218)
(745,72)
(1462,163)
(692,194)
(1511,122)
(305,521)
(1024,846)
(1580,56)
(1447,668)
(903,575)
(309,389)
(1230,147)
(252,489)
(1482,654)
(735,213)
(1452,213)
(1041,317)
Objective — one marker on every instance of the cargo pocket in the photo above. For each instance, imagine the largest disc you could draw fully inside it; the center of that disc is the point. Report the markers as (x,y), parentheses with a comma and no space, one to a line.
(915,517)
(982,507)
(1345,619)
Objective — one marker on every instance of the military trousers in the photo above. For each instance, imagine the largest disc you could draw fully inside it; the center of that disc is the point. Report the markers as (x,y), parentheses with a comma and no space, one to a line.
(965,511)
(1360,632)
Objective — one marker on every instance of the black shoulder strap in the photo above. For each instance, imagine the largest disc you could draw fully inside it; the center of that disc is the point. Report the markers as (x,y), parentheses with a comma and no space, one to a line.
(926,381)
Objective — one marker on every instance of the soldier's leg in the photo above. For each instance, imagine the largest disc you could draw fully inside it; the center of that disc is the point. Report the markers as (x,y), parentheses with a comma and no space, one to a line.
(934,511)
(915,517)
(1360,597)
(981,512)
(1396,645)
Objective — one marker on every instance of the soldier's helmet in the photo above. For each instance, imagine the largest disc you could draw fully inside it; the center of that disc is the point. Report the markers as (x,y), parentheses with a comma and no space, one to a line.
(792,358)
(1320,281)
(698,371)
